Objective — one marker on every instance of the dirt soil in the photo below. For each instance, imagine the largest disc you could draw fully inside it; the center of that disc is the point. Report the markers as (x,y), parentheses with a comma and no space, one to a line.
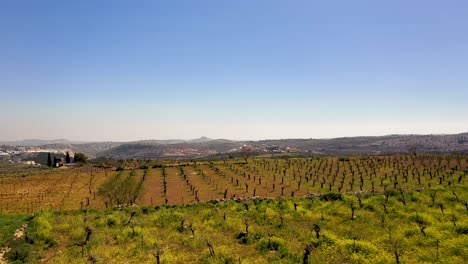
(20,231)
(3,251)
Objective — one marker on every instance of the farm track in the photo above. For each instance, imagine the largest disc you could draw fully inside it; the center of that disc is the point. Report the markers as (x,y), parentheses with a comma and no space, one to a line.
(154,191)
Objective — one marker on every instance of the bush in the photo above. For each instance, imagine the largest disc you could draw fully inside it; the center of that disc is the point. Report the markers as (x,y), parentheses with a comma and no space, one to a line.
(323,241)
(331,196)
(50,242)
(147,209)
(274,244)
(462,230)
(80,157)
(20,252)
(248,239)
(111,222)
(360,247)
(217,258)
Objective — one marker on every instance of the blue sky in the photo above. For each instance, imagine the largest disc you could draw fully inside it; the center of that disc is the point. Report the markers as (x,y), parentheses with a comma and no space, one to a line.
(129,70)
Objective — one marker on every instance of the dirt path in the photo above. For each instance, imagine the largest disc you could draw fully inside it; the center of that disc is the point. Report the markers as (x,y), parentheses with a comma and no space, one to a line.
(20,231)
(3,251)
(18,234)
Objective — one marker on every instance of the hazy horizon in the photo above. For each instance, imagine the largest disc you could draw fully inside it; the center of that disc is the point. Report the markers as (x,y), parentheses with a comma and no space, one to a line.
(223,138)
(243,70)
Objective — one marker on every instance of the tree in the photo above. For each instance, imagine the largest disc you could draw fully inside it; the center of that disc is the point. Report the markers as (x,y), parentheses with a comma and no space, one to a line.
(67,158)
(121,189)
(49,161)
(80,157)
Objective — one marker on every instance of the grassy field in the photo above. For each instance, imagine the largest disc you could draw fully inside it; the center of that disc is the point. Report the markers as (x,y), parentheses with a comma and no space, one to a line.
(332,229)
(389,209)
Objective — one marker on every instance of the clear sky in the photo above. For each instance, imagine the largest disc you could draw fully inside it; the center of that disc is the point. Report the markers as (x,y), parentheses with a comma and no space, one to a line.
(244,69)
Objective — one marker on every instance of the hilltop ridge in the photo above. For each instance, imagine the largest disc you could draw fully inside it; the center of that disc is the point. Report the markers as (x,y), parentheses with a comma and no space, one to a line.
(207,147)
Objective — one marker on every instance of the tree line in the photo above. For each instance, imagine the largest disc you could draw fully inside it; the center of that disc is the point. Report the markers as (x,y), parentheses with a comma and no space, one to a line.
(56,162)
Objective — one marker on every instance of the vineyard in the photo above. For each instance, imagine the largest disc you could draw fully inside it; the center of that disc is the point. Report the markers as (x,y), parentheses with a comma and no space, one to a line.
(360,209)
(188,183)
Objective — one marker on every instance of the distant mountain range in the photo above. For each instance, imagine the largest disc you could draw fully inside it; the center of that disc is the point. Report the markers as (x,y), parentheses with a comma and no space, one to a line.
(39,142)
(203,147)
(42,142)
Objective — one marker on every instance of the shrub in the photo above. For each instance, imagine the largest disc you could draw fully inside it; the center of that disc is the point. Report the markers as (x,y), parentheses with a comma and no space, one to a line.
(248,239)
(111,222)
(323,241)
(147,209)
(218,258)
(332,196)
(80,157)
(360,247)
(462,230)
(50,242)
(20,252)
(274,244)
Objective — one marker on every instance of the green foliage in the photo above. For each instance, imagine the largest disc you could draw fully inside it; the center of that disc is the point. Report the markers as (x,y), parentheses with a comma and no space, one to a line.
(80,157)
(49,160)
(147,209)
(365,239)
(8,225)
(359,247)
(273,244)
(20,252)
(111,222)
(121,189)
(393,218)
(41,229)
(67,158)
(462,230)
(324,241)
(248,239)
(331,196)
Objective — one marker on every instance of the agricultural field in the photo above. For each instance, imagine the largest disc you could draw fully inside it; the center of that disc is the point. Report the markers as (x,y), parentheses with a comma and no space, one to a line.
(187,183)
(50,189)
(360,209)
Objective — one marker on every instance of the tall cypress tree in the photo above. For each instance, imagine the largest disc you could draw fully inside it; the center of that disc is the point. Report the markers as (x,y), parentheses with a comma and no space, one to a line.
(67,158)
(49,161)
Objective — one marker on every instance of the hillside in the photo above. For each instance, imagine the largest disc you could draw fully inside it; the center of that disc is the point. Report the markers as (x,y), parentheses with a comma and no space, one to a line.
(211,148)
(393,144)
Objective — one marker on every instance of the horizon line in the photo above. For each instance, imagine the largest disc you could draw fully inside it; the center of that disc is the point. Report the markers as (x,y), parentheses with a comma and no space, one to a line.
(212,139)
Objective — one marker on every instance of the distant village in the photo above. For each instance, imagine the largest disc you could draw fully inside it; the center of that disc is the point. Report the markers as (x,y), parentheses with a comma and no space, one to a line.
(399,144)
(36,155)
(58,157)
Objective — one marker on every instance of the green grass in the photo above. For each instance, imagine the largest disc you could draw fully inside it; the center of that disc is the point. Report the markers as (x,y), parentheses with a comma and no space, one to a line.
(417,231)
(8,226)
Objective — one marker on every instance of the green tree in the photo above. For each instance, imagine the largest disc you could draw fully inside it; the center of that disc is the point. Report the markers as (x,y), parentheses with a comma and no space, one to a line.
(67,158)
(49,161)
(80,157)
(121,189)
